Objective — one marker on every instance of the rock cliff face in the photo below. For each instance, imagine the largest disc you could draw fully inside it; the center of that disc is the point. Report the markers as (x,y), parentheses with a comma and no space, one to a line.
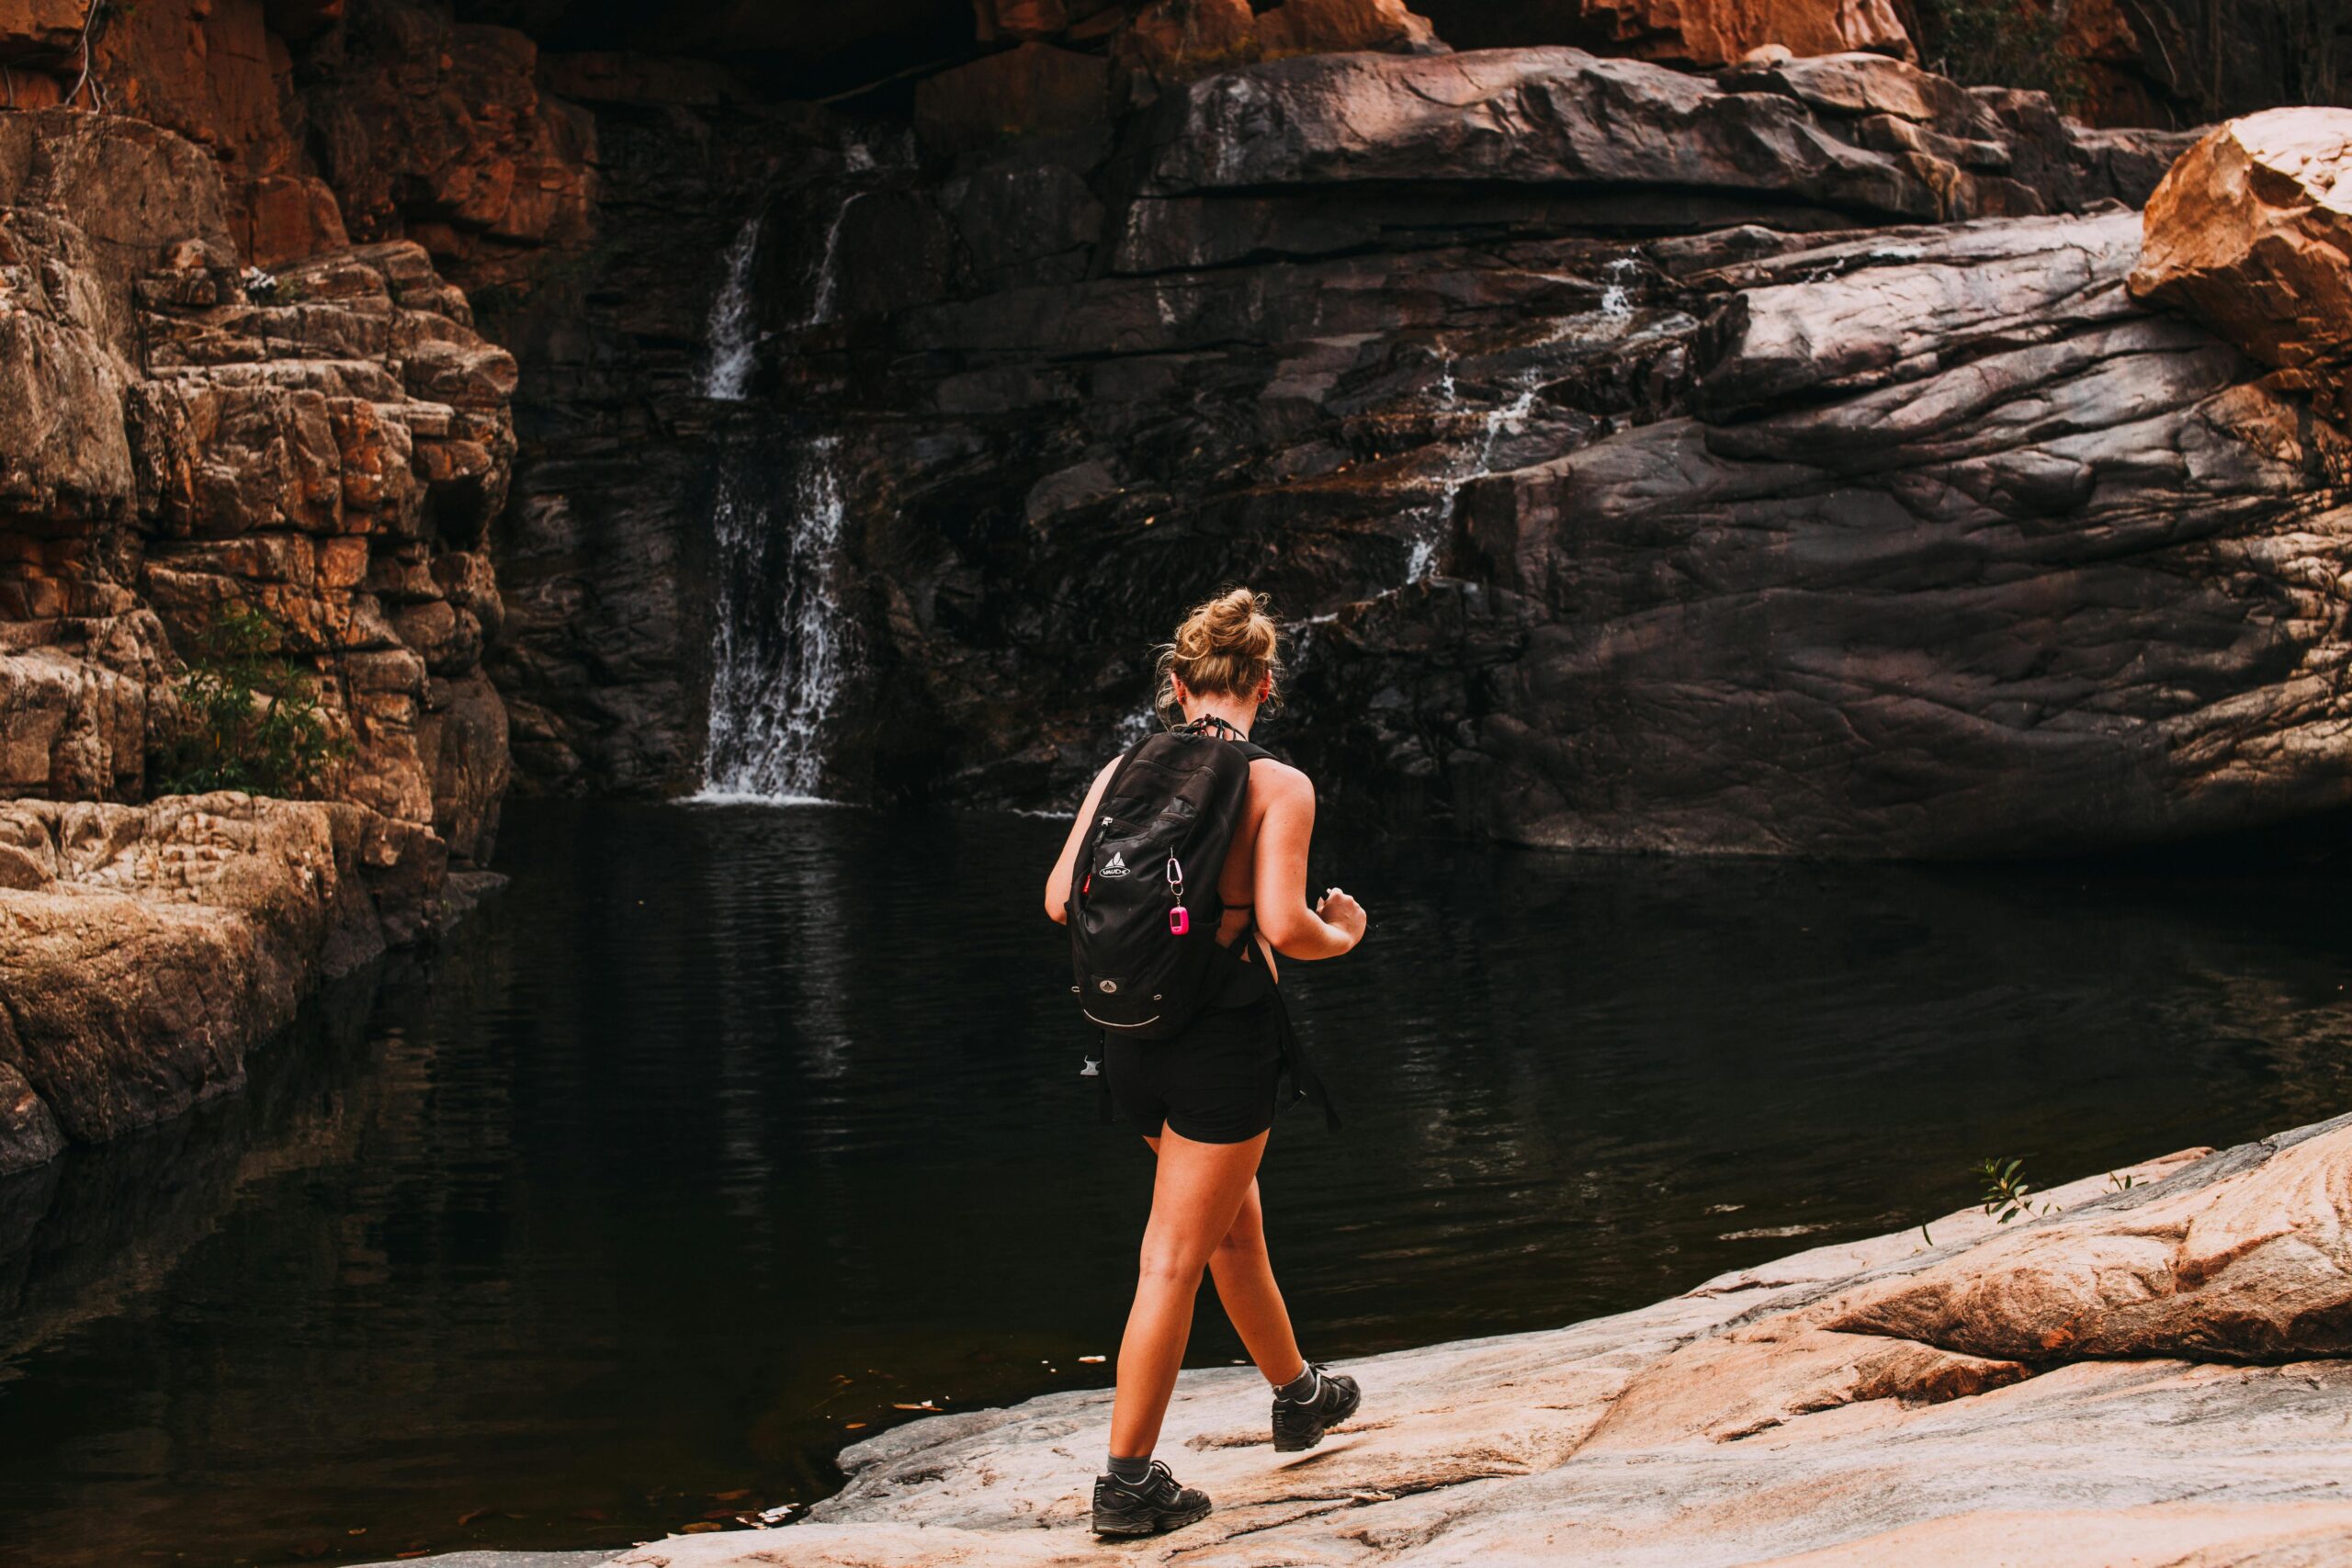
(327,448)
(2144,1373)
(898,429)
(1772,463)
(183,435)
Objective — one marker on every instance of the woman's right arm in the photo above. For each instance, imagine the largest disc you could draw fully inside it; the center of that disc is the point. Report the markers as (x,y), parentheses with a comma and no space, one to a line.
(1336,922)
(1065,870)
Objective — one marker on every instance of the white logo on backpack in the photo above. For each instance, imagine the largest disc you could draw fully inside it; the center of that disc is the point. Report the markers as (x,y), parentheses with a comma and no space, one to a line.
(1117,865)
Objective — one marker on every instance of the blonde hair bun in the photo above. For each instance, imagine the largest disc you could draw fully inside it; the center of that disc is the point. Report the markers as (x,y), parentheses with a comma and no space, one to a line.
(1226,646)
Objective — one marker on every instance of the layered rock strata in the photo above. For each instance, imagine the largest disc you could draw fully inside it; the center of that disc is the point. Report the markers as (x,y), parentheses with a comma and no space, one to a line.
(1769,463)
(2143,1371)
(143,948)
(326,448)
(184,436)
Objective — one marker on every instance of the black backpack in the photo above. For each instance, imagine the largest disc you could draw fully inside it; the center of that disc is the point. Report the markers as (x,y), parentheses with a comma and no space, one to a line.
(1143,909)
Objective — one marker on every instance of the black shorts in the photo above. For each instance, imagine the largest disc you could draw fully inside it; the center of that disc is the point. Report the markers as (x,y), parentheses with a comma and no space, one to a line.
(1216,1083)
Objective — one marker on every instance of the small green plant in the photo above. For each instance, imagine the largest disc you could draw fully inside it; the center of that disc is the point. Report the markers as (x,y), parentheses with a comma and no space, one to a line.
(2007,1193)
(2003,43)
(246,720)
(2121,1183)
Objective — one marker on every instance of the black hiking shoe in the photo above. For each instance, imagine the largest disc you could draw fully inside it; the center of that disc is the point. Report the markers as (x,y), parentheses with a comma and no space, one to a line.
(1148,1507)
(1299,1425)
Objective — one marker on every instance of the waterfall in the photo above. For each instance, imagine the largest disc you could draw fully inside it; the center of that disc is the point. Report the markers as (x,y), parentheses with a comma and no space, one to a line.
(821,308)
(780,644)
(1617,295)
(1512,417)
(732,333)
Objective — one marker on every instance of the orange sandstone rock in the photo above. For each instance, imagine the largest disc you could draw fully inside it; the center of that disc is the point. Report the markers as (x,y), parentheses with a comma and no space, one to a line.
(2251,232)
(1176,38)
(1710,33)
(1331,26)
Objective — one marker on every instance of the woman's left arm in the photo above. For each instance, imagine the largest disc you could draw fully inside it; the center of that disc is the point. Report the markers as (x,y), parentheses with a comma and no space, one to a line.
(1058,881)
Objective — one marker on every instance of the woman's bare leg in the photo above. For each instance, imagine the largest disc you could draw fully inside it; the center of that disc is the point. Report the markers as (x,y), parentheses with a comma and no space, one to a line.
(1195,1196)
(1245,1286)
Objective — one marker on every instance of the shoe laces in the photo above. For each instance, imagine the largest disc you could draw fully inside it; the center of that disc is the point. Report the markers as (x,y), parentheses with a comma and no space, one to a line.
(1158,1483)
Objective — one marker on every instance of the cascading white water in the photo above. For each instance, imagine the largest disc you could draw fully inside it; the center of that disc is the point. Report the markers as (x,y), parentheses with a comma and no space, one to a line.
(780,645)
(1512,417)
(1617,294)
(821,308)
(732,335)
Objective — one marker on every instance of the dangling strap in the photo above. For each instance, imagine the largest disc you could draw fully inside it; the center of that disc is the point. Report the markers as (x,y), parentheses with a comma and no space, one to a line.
(1098,1067)
(1306,1083)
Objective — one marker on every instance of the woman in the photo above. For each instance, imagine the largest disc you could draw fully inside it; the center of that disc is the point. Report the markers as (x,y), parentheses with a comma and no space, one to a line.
(1206,1098)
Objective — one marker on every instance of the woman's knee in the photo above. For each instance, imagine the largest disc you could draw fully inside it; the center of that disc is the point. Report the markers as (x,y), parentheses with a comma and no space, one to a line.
(1246,1238)
(1176,1259)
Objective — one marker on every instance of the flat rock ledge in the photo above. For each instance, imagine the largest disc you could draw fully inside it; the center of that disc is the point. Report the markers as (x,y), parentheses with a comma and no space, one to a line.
(143,948)
(2145,1375)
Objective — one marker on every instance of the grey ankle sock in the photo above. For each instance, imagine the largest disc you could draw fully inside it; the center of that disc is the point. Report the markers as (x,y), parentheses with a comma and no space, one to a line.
(1131,1469)
(1302,1388)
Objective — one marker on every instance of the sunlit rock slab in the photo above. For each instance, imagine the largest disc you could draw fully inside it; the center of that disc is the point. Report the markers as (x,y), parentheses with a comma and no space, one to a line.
(1601,1442)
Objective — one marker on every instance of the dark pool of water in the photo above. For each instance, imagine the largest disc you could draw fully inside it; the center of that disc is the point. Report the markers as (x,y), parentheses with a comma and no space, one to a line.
(724,1129)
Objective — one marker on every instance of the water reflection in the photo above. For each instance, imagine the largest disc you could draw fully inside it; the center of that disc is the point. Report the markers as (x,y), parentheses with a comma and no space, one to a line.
(591,1217)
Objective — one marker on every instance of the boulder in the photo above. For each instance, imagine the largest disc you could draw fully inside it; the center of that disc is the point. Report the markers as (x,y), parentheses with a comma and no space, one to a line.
(2255,1266)
(2250,233)
(144,949)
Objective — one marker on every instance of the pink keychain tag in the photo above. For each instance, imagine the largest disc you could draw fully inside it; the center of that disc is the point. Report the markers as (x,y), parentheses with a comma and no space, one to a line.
(1179,920)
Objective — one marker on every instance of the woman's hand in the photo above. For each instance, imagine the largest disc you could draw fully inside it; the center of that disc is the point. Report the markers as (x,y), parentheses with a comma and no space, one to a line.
(1338,908)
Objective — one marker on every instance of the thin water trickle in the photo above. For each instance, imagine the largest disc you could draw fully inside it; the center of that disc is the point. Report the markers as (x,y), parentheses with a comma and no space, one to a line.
(821,308)
(732,334)
(1617,295)
(1511,418)
(780,639)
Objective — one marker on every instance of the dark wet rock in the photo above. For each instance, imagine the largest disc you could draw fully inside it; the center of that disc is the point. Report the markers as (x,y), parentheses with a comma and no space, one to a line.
(1633,472)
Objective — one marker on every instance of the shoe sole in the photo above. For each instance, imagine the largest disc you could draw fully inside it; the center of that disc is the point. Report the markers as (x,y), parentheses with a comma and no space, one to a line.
(1160,1527)
(1292,1444)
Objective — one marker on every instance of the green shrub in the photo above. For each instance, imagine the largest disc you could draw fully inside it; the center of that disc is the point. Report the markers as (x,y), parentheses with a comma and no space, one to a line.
(2001,43)
(246,720)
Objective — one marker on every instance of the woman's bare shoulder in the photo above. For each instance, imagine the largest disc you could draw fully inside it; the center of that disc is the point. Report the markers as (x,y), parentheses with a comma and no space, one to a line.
(1275,781)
